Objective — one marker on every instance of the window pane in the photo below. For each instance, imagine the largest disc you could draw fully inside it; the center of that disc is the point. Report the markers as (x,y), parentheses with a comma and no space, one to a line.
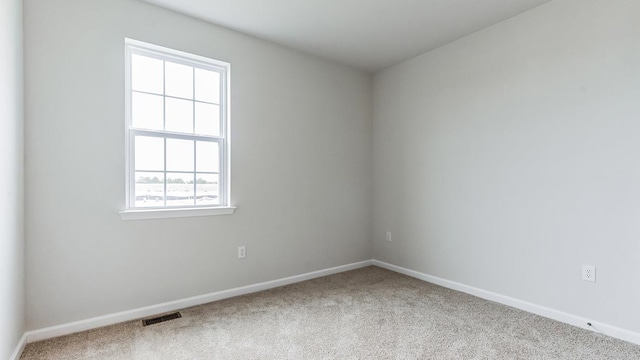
(149,153)
(146,74)
(149,189)
(207,86)
(207,119)
(207,156)
(207,192)
(179,155)
(179,115)
(147,111)
(179,80)
(176,128)
(179,189)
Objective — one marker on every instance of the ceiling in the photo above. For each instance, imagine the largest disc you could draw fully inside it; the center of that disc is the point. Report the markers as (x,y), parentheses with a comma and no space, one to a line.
(368,34)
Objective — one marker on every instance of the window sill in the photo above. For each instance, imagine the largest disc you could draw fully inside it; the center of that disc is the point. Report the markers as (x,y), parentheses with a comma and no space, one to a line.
(148,214)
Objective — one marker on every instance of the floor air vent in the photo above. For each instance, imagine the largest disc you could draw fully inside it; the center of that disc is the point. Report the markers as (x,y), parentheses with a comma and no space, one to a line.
(159,319)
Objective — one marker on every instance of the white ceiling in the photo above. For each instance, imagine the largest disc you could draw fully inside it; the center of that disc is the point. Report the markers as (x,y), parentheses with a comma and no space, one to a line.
(368,34)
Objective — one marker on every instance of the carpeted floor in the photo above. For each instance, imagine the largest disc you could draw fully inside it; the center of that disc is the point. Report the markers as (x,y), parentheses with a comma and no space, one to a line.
(369,313)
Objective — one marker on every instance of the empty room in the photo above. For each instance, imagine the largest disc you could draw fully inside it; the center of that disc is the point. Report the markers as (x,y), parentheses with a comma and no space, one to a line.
(337,179)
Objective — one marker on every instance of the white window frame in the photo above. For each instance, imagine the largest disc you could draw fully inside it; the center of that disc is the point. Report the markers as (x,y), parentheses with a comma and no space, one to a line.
(224,183)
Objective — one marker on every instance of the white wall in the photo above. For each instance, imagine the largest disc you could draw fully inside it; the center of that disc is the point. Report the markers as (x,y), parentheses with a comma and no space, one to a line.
(301,165)
(11,181)
(507,159)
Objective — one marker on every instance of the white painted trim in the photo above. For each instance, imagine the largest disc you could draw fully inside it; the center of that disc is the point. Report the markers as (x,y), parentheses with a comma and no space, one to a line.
(100,321)
(19,348)
(165,51)
(581,322)
(135,47)
(105,320)
(175,213)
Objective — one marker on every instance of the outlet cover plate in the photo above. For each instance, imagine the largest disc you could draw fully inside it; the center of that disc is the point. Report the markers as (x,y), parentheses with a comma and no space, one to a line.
(589,273)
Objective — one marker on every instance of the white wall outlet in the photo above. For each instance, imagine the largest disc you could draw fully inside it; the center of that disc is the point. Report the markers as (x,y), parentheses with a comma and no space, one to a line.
(388,236)
(242,252)
(589,273)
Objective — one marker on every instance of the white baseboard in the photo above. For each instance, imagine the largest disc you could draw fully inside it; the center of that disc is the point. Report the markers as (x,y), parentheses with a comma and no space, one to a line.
(19,348)
(105,320)
(606,329)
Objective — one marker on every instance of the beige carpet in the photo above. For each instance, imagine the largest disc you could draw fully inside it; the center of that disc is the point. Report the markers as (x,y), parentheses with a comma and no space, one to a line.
(369,313)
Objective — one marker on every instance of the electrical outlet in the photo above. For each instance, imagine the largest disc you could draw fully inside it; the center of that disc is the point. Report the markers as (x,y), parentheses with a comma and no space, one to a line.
(242,252)
(589,273)
(388,236)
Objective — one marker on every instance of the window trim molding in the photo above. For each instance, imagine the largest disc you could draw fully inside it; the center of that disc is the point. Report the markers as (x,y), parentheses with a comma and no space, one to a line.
(169,213)
(225,207)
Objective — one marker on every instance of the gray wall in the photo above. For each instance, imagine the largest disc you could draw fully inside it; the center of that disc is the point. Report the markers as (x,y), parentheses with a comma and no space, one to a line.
(503,161)
(301,165)
(509,158)
(11,181)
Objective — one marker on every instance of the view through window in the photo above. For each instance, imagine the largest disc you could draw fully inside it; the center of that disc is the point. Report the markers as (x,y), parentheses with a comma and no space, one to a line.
(177,128)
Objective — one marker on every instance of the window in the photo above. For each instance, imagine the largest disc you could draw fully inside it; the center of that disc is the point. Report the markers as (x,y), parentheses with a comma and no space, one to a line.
(177,113)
